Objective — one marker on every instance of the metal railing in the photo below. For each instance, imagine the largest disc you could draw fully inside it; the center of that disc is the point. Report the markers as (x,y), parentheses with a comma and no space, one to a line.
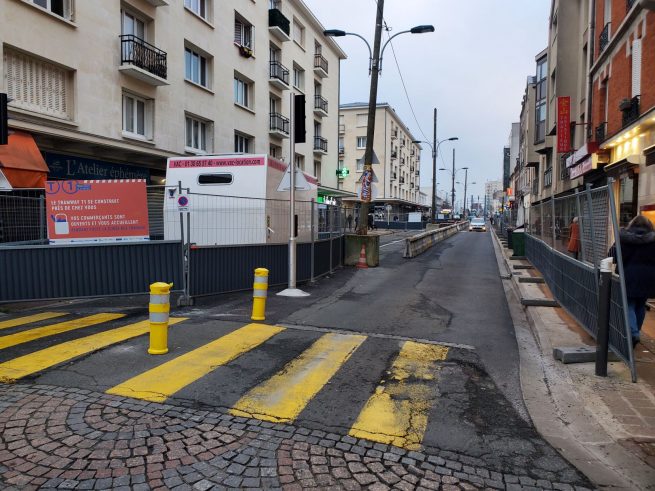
(320,103)
(320,62)
(320,144)
(630,111)
(604,38)
(279,123)
(600,132)
(135,51)
(277,19)
(279,71)
(548,177)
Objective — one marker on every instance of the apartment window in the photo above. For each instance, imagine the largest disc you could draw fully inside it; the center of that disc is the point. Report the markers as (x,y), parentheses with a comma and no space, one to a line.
(298,78)
(360,165)
(244,32)
(198,7)
(196,67)
(540,96)
(300,161)
(62,8)
(361,142)
(317,170)
(242,143)
(298,32)
(197,134)
(37,85)
(242,91)
(275,151)
(137,116)
(318,49)
(133,25)
(636,67)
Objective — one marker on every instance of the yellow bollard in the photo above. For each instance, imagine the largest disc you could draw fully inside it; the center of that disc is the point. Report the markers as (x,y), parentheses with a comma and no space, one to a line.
(159,308)
(259,294)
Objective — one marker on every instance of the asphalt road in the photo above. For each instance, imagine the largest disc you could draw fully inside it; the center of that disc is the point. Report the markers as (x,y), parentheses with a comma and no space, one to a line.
(432,334)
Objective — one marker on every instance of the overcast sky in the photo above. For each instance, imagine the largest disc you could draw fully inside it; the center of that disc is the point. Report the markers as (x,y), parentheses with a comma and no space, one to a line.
(473,69)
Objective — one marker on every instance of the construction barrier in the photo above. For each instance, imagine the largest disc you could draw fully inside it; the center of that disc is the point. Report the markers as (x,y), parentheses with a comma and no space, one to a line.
(420,243)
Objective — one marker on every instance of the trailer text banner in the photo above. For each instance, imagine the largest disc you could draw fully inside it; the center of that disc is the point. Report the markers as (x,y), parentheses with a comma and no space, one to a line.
(97,211)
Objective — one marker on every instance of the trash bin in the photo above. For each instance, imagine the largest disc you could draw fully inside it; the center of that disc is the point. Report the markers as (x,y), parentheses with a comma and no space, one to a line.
(510,243)
(518,242)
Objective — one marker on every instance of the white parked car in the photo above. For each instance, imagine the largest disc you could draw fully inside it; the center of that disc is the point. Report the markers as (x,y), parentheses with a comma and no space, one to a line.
(477,225)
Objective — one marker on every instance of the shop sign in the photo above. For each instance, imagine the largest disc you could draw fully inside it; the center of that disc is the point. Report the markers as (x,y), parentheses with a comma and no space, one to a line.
(581,153)
(582,168)
(97,211)
(563,124)
(81,168)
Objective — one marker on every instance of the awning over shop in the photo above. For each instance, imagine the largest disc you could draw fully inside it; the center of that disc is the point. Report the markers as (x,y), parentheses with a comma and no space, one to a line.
(335,193)
(21,162)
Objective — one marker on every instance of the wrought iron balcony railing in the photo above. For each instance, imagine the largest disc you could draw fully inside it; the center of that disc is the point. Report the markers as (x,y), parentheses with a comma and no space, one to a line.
(630,111)
(279,123)
(320,62)
(402,180)
(600,132)
(279,71)
(320,103)
(548,177)
(135,51)
(277,19)
(604,38)
(321,144)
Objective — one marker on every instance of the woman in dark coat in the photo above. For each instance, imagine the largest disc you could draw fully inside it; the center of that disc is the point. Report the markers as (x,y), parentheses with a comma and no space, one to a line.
(638,252)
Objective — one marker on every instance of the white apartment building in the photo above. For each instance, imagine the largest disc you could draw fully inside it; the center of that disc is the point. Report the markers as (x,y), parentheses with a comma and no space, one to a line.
(113,88)
(493,192)
(397,170)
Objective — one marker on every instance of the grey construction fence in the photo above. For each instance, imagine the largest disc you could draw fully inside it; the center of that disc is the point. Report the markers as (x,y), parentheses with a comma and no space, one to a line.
(32,269)
(573,276)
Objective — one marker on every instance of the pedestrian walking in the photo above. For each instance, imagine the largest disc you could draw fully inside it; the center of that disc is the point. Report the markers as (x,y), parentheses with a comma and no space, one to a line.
(638,253)
(356,222)
(574,238)
(371,224)
(349,219)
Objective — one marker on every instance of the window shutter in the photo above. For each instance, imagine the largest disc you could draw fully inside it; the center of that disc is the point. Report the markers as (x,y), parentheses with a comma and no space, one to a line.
(636,67)
(238,32)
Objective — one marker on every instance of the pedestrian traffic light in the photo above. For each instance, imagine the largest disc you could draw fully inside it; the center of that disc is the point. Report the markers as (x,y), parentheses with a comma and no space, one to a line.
(343,172)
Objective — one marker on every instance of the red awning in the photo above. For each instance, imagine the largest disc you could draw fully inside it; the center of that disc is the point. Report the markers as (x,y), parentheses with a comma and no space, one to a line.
(22,163)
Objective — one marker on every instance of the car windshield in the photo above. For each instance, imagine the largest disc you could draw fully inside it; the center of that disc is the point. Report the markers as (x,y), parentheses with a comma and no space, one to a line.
(477,221)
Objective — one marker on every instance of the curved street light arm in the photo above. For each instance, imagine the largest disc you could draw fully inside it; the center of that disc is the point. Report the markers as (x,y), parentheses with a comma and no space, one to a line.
(385,45)
(370,52)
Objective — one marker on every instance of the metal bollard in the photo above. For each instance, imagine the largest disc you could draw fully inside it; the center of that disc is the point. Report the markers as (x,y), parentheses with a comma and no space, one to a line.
(259,294)
(604,300)
(159,308)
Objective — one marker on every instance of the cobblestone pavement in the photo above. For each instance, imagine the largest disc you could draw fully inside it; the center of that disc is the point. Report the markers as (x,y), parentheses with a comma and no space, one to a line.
(77,439)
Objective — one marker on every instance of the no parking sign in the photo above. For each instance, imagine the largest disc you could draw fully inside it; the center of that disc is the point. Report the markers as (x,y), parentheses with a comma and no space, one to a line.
(183,203)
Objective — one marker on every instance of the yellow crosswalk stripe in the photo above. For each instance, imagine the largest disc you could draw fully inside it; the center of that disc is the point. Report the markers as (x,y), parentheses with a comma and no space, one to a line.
(397,413)
(22,366)
(52,329)
(19,321)
(285,395)
(161,382)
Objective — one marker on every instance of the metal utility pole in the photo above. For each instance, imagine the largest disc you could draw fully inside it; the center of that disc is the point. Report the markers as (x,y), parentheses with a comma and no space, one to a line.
(452,189)
(466,176)
(434,168)
(367,176)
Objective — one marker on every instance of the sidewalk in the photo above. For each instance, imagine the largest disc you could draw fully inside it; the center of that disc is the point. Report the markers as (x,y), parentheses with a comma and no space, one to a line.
(604,426)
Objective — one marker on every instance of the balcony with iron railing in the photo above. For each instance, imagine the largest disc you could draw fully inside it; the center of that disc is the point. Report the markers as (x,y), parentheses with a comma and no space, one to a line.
(402,180)
(278,25)
(394,155)
(394,134)
(393,176)
(604,38)
(320,106)
(320,65)
(564,171)
(278,75)
(600,132)
(535,185)
(279,125)
(548,177)
(342,151)
(320,145)
(630,110)
(402,160)
(142,60)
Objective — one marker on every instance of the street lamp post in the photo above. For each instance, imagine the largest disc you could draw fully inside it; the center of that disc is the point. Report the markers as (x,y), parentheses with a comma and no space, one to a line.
(375,66)
(435,151)
(452,175)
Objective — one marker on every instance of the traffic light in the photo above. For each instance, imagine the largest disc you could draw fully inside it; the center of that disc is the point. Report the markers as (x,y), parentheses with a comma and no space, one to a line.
(299,133)
(343,172)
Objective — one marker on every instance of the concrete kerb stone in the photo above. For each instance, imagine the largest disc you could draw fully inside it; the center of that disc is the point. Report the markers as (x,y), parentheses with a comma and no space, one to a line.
(565,417)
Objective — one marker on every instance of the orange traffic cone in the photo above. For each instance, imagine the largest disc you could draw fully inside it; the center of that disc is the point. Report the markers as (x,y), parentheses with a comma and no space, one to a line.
(361,264)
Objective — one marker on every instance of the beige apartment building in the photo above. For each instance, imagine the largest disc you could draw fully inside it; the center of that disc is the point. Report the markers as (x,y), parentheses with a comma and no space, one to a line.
(112,88)
(397,169)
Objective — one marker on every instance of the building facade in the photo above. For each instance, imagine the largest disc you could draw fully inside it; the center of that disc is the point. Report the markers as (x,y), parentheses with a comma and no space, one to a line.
(397,169)
(124,85)
(623,109)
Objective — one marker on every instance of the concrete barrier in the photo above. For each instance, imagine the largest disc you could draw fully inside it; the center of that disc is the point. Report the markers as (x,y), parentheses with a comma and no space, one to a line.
(420,243)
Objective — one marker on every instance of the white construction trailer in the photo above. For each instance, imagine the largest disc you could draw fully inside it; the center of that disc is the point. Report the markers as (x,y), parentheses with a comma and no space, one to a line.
(235,199)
